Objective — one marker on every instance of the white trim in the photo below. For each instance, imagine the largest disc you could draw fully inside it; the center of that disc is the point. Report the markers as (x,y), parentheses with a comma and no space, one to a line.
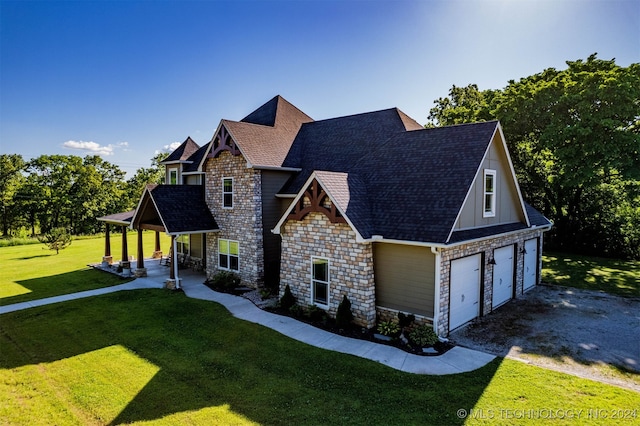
(436,295)
(228,254)
(493,193)
(328,283)
(200,231)
(225,193)
(277,168)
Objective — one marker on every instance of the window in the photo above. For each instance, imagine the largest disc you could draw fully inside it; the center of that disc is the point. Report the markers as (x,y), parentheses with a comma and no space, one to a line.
(173,177)
(227,193)
(320,281)
(228,255)
(182,242)
(489,209)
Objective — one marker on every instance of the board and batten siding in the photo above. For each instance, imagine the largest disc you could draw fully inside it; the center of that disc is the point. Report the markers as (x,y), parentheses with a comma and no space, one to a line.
(272,210)
(508,209)
(405,278)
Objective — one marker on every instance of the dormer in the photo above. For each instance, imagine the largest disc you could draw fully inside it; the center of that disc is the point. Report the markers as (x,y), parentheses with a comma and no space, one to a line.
(182,165)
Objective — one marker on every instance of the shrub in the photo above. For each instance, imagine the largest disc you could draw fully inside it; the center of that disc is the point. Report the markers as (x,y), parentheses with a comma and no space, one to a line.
(423,336)
(389,328)
(296,311)
(57,239)
(316,314)
(405,320)
(225,280)
(287,300)
(344,316)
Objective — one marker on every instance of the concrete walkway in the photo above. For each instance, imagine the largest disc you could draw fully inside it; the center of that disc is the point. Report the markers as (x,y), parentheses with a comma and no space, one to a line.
(456,360)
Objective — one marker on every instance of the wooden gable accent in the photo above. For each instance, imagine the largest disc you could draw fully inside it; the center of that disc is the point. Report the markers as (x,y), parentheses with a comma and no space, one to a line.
(224,142)
(315,199)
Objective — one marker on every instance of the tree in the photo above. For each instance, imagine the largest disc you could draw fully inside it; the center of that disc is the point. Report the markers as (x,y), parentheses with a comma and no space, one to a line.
(12,167)
(57,239)
(574,137)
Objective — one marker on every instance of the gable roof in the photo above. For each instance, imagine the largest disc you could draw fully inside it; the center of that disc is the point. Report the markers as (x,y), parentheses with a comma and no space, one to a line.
(194,160)
(264,137)
(178,209)
(183,152)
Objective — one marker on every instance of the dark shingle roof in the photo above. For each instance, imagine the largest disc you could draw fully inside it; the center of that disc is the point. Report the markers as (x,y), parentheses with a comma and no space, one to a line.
(182,208)
(337,144)
(183,152)
(535,217)
(195,159)
(418,180)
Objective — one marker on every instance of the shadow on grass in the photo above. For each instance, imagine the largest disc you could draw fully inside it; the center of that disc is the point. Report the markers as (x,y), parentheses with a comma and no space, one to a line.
(207,358)
(55,285)
(33,257)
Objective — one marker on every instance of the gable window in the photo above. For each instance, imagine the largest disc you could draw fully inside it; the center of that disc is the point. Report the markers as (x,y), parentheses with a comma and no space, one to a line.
(227,193)
(489,207)
(228,255)
(320,281)
(173,177)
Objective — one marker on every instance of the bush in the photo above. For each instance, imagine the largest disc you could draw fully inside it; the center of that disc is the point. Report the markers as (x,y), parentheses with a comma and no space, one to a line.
(316,314)
(344,316)
(389,328)
(287,300)
(225,280)
(405,320)
(423,336)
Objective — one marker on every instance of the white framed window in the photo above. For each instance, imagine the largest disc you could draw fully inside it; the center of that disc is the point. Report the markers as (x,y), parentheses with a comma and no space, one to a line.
(182,243)
(320,281)
(173,177)
(228,255)
(489,204)
(227,193)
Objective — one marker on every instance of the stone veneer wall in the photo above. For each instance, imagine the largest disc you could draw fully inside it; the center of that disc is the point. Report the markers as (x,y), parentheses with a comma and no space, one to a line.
(243,222)
(350,265)
(486,247)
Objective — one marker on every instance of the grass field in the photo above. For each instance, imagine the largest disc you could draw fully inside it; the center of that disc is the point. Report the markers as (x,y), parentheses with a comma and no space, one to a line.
(157,356)
(619,277)
(30,272)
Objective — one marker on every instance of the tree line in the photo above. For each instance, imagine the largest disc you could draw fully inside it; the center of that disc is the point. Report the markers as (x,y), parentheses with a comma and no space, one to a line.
(67,191)
(574,138)
(573,134)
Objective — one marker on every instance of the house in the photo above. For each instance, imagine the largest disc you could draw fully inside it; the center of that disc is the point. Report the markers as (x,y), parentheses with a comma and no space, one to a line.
(373,206)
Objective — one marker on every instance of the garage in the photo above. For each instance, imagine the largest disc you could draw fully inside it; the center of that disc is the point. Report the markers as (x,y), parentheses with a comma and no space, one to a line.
(502,275)
(530,263)
(464,293)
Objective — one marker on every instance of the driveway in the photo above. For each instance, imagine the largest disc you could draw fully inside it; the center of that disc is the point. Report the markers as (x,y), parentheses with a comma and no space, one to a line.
(585,333)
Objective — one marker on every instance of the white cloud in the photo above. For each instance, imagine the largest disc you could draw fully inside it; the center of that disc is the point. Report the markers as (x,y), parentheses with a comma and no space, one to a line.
(169,148)
(90,146)
(95,148)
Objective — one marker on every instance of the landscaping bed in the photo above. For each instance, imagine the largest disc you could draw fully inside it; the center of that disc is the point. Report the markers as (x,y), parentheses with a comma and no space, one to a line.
(392,333)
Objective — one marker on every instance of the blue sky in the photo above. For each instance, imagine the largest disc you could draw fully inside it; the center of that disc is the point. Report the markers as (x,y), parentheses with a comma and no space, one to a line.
(128,78)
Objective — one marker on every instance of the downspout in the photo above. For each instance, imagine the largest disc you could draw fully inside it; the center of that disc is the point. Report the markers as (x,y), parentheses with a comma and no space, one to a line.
(436,302)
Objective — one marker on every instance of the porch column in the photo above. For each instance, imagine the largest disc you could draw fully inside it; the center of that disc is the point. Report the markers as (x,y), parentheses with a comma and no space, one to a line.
(173,282)
(157,254)
(107,259)
(140,271)
(125,251)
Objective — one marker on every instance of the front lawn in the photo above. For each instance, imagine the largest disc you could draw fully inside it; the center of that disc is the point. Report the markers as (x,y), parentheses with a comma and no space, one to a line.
(619,277)
(32,271)
(158,356)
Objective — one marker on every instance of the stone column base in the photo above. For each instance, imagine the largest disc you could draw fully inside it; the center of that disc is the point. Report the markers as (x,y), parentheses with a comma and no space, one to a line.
(157,255)
(125,264)
(140,272)
(107,260)
(172,284)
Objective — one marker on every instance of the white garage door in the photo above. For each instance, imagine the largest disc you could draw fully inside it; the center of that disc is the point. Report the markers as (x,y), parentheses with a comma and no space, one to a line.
(502,275)
(464,296)
(530,263)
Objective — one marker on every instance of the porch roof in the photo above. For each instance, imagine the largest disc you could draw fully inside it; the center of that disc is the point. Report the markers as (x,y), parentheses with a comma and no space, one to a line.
(123,218)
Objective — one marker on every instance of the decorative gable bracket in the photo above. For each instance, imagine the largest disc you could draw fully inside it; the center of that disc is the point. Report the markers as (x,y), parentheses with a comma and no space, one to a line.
(224,142)
(315,199)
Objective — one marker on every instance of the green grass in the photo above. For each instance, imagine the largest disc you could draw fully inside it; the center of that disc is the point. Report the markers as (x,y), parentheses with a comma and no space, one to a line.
(619,277)
(157,356)
(32,271)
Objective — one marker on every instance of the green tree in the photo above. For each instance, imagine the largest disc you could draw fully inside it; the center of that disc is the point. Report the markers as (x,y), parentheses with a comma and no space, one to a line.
(145,176)
(56,239)
(12,178)
(574,137)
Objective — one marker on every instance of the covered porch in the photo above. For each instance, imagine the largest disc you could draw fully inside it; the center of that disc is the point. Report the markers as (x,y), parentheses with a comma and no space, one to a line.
(179,211)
